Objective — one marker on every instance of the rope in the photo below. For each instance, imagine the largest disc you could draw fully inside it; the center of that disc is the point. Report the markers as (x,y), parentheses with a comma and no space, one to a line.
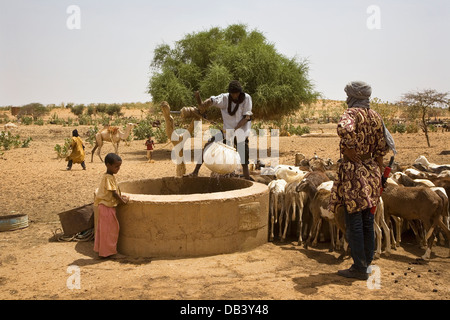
(87,235)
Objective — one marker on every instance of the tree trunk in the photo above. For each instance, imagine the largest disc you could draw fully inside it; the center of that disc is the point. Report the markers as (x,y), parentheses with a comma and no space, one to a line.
(425,129)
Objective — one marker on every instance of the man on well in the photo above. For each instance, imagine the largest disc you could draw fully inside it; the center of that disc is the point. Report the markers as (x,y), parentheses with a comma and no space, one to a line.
(236,109)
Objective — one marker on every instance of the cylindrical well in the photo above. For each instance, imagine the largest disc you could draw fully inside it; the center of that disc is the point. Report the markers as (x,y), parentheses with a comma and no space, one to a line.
(221,216)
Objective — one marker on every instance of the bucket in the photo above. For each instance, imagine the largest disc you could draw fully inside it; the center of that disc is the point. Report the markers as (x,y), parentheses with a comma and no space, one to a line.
(77,220)
(13,222)
(221,158)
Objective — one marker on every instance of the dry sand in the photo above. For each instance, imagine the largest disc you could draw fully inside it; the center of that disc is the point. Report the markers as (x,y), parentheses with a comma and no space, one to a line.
(32,266)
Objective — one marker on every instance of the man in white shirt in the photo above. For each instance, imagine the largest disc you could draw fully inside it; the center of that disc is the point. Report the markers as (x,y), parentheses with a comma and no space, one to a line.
(236,108)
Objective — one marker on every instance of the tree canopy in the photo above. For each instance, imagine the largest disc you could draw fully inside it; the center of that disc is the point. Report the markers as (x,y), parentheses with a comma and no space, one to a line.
(419,104)
(207,61)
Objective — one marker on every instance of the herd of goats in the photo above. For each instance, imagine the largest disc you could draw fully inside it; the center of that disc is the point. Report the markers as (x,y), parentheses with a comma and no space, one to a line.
(415,197)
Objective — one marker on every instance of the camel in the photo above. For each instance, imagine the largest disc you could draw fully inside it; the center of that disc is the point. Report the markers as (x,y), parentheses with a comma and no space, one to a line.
(112,134)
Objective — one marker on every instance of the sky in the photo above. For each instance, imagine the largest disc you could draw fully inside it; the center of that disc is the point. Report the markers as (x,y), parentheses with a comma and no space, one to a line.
(94,51)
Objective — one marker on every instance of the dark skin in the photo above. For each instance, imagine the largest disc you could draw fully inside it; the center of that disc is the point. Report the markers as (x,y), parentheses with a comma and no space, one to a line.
(113,169)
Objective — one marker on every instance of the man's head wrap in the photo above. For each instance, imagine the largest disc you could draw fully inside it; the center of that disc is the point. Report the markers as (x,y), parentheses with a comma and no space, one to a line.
(358,94)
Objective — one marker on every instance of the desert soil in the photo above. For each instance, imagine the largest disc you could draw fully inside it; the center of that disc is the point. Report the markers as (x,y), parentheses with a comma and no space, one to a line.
(34,266)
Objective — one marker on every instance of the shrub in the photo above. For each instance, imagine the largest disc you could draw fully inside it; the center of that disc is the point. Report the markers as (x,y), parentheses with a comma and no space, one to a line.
(39,122)
(143,129)
(78,109)
(160,134)
(113,109)
(8,141)
(412,128)
(63,151)
(92,131)
(85,119)
(27,120)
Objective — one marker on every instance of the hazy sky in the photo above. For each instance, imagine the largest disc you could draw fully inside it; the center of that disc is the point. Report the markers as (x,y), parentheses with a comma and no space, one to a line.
(50,54)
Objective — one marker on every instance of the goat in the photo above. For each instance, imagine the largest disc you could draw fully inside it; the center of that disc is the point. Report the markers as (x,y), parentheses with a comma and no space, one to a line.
(417,203)
(276,196)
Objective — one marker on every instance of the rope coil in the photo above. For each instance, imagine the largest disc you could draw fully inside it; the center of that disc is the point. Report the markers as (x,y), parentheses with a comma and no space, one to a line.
(87,235)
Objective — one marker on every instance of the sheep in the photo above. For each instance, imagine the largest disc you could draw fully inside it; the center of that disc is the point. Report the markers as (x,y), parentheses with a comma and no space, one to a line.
(443,188)
(289,173)
(443,182)
(405,180)
(296,201)
(422,162)
(293,199)
(379,226)
(444,173)
(416,174)
(444,196)
(319,198)
(319,164)
(417,203)
(316,178)
(276,196)
(10,126)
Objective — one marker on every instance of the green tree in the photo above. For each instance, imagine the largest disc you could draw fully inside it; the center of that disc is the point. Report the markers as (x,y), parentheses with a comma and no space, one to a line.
(208,60)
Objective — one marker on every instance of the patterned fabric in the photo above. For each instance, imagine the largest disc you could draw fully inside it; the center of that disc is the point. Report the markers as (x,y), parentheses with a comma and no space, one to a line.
(357,185)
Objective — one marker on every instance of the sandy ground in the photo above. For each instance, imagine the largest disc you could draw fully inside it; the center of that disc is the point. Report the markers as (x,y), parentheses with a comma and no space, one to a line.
(32,266)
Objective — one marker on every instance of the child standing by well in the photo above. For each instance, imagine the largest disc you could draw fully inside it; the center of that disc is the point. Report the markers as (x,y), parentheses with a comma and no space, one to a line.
(107,198)
(149,143)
